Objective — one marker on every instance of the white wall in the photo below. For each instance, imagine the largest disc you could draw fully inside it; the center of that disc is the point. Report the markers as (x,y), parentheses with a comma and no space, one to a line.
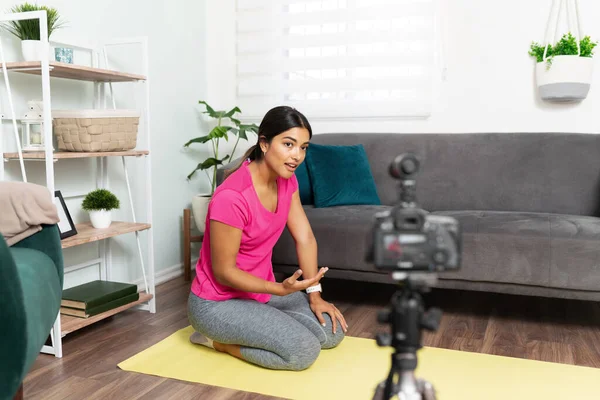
(485,79)
(176,35)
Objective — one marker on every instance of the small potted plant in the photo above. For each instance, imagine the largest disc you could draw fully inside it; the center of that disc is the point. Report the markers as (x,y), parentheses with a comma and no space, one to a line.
(220,131)
(564,70)
(28,30)
(99,203)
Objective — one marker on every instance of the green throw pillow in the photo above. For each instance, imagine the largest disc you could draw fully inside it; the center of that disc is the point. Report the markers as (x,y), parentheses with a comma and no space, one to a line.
(304,186)
(340,175)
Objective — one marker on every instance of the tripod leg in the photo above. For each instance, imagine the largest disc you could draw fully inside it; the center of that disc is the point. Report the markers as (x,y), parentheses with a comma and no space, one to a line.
(379,392)
(384,389)
(426,389)
(389,383)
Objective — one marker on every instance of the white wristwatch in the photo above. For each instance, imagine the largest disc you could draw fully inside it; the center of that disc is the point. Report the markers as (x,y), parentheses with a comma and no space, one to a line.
(316,288)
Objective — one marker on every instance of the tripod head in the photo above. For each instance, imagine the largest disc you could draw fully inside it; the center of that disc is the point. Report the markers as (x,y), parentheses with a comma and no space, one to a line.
(407,317)
(406,314)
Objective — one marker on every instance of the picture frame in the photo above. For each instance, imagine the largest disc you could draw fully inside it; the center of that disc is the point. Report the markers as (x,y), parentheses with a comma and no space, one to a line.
(65,224)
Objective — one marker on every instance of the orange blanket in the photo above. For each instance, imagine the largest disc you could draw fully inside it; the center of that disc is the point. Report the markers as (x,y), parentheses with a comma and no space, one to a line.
(24,207)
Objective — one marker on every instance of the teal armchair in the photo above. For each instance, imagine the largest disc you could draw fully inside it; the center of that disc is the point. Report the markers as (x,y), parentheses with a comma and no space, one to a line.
(31,283)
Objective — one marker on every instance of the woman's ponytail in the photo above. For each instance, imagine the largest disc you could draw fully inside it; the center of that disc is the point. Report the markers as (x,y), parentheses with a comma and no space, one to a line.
(253,153)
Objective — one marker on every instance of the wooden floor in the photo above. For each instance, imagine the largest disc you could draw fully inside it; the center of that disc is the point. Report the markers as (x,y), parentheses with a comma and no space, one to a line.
(526,327)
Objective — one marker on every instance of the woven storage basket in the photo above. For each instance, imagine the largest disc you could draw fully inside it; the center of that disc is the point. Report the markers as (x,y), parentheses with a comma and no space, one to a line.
(95,130)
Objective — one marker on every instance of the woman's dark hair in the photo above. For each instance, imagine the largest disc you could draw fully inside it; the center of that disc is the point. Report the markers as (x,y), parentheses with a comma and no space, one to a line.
(276,121)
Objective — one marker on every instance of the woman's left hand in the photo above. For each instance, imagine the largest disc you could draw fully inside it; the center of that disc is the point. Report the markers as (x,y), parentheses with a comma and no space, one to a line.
(320,306)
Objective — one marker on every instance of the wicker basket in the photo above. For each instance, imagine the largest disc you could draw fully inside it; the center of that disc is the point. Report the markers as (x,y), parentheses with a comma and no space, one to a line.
(95,130)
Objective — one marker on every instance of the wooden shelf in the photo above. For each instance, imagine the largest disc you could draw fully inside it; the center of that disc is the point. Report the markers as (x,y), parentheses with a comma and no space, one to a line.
(73,71)
(40,155)
(86,233)
(69,324)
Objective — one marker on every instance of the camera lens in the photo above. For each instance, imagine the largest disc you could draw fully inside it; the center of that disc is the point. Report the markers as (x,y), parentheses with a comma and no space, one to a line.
(439,257)
(404,166)
(409,166)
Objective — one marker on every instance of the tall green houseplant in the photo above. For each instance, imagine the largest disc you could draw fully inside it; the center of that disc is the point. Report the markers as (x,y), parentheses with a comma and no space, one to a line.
(221,131)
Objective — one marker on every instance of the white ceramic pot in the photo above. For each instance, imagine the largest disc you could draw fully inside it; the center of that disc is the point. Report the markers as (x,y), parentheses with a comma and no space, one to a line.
(568,79)
(32,50)
(200,209)
(100,219)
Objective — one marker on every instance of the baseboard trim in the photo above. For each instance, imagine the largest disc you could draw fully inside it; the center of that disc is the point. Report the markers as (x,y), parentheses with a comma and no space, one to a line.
(165,275)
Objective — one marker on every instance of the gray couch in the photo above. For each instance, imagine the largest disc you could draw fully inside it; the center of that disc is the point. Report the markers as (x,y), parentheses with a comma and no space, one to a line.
(528,204)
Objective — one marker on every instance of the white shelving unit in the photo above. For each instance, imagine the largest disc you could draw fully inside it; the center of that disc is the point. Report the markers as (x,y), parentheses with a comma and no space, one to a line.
(101,77)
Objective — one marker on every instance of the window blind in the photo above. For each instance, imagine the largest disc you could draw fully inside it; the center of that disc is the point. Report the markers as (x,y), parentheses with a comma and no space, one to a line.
(335,58)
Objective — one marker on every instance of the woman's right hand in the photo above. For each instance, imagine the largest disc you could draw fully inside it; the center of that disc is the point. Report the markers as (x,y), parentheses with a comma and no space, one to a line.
(292,284)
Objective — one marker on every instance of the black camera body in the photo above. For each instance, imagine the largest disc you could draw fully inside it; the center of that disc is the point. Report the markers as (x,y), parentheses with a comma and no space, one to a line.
(407,238)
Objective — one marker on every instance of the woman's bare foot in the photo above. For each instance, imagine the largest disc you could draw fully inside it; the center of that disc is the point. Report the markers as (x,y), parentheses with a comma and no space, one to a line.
(232,349)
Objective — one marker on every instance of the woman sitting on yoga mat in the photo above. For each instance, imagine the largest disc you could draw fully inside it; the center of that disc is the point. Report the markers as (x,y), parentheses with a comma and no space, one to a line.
(235,305)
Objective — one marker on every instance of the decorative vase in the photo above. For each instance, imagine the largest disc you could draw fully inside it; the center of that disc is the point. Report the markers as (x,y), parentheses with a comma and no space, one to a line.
(100,219)
(200,209)
(32,50)
(568,79)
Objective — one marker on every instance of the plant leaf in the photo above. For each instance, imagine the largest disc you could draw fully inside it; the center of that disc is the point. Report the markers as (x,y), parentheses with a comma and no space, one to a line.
(211,112)
(244,129)
(215,133)
(207,164)
(219,132)
(30,29)
(567,45)
(201,139)
(232,111)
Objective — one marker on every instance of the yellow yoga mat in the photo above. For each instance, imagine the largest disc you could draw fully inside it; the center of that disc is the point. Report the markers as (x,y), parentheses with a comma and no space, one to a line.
(356,366)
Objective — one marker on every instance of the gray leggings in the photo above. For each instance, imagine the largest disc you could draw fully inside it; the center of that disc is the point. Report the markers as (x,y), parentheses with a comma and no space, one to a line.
(281,334)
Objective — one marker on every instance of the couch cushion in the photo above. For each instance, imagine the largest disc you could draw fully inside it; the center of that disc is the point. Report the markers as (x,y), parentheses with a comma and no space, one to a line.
(341,234)
(552,250)
(503,171)
(340,175)
(304,185)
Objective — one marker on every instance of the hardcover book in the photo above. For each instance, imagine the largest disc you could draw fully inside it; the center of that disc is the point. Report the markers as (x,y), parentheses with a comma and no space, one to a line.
(90,312)
(95,293)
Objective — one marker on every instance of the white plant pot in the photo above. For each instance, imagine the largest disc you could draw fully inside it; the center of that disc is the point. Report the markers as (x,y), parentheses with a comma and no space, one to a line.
(200,209)
(100,219)
(32,50)
(568,79)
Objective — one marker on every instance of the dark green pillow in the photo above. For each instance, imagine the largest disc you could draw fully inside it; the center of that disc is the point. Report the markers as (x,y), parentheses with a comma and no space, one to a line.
(304,186)
(340,175)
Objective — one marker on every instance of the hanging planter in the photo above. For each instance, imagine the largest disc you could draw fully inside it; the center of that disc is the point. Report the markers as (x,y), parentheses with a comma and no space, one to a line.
(567,79)
(564,70)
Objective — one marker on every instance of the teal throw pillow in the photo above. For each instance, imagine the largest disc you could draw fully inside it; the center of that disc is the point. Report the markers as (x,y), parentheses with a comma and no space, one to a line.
(304,186)
(340,175)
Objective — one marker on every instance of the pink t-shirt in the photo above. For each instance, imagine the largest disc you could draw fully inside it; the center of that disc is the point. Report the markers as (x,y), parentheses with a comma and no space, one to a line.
(236,203)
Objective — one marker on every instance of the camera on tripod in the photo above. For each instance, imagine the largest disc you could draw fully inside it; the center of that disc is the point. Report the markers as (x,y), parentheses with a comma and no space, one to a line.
(413,245)
(407,238)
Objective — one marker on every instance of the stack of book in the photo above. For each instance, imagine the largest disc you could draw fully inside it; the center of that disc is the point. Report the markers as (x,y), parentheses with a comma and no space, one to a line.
(96,297)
